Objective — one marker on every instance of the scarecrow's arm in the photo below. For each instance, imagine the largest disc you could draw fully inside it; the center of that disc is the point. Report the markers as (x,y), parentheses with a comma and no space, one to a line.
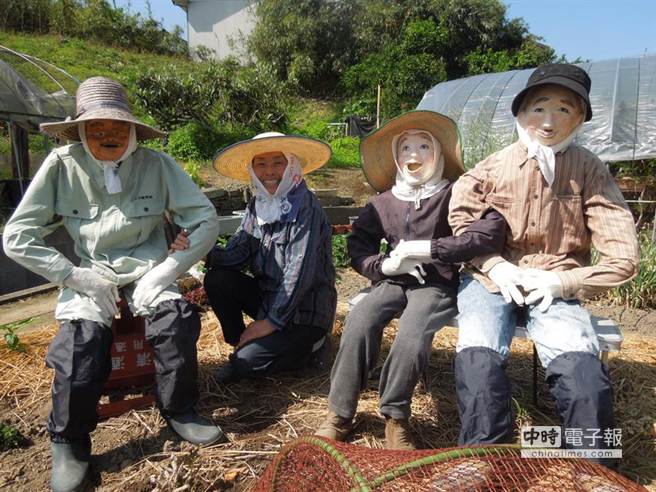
(613,234)
(485,236)
(34,219)
(364,244)
(191,210)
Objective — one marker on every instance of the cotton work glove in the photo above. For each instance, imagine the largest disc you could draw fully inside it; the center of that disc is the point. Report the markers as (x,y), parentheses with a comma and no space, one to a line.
(90,284)
(507,277)
(153,283)
(396,266)
(412,249)
(541,285)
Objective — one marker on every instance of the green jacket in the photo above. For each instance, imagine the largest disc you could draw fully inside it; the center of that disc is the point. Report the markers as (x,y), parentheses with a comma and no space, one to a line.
(120,236)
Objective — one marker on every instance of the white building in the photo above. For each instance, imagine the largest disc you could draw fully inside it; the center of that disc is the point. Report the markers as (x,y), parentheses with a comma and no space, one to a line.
(218,24)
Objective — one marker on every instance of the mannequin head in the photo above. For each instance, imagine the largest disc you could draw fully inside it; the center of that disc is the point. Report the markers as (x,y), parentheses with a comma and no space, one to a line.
(107,139)
(419,157)
(550,113)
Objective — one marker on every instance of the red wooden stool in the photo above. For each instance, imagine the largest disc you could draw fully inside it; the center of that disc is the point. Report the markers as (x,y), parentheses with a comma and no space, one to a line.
(132,365)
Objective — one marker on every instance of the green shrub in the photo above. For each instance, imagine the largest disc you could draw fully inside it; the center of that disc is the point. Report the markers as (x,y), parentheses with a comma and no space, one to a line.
(193,170)
(340,253)
(9,437)
(194,142)
(641,291)
(346,152)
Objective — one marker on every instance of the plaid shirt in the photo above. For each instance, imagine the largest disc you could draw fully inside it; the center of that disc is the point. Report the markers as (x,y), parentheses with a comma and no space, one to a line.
(292,260)
(552,228)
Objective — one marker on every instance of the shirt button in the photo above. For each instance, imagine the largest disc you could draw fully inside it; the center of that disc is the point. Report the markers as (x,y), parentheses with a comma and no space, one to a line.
(536,196)
(75,211)
(525,261)
(145,209)
(532,224)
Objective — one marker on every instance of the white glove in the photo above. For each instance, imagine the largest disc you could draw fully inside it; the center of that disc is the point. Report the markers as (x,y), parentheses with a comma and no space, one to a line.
(507,277)
(412,249)
(541,285)
(90,284)
(396,266)
(153,283)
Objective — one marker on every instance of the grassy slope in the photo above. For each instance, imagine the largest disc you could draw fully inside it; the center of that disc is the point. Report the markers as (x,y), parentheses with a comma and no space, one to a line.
(83,59)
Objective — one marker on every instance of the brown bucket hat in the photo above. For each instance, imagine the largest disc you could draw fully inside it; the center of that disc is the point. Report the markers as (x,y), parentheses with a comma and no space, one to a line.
(233,161)
(100,98)
(376,149)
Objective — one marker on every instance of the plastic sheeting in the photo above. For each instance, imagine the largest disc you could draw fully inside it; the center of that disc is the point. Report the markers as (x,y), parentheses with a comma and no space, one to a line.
(24,103)
(623,98)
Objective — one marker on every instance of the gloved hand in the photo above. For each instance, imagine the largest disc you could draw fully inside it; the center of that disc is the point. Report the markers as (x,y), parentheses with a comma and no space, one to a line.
(412,249)
(396,266)
(543,285)
(90,284)
(507,277)
(153,283)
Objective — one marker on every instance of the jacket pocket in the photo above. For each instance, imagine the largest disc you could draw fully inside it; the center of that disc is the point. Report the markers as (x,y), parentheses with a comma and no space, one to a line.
(146,215)
(76,215)
(567,215)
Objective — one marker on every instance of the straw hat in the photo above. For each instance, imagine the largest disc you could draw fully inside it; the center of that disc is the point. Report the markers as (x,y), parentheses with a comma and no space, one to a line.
(376,149)
(233,161)
(99,98)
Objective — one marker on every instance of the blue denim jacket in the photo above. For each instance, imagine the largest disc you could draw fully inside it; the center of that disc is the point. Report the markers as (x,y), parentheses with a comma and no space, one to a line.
(291,259)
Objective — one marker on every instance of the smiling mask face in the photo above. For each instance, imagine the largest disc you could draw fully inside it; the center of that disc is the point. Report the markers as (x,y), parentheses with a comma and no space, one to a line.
(550,113)
(417,157)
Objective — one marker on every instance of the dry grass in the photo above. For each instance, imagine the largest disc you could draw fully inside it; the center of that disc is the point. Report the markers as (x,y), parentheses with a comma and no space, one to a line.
(137,452)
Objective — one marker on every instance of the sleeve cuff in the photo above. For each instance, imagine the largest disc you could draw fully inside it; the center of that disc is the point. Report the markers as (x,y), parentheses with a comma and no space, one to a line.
(570,282)
(278,326)
(434,249)
(485,263)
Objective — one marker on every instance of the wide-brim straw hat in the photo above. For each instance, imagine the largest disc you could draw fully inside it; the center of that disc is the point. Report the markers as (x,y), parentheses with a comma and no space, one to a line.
(233,161)
(376,149)
(100,98)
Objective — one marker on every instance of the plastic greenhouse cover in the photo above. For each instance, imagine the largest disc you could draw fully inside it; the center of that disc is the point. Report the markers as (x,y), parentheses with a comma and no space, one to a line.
(623,98)
(23,102)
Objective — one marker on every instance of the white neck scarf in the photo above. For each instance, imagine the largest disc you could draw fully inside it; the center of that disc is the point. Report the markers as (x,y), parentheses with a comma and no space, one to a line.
(269,208)
(413,192)
(545,154)
(110,168)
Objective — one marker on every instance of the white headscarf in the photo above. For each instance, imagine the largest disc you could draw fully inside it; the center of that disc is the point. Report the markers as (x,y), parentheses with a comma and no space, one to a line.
(110,168)
(545,154)
(269,208)
(413,192)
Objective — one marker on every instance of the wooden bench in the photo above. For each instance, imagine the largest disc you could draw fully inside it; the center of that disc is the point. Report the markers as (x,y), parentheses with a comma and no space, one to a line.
(608,333)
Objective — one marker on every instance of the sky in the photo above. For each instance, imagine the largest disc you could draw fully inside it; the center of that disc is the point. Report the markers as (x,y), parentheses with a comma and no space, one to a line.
(590,29)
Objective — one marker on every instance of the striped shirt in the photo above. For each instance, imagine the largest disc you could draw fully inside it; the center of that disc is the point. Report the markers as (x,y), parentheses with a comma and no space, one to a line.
(551,228)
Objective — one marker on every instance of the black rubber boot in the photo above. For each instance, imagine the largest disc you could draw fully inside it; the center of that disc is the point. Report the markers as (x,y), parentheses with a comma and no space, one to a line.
(579,383)
(70,464)
(483,391)
(196,429)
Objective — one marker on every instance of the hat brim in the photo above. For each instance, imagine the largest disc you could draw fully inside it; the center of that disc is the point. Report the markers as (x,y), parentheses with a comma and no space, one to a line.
(68,130)
(376,149)
(233,161)
(562,82)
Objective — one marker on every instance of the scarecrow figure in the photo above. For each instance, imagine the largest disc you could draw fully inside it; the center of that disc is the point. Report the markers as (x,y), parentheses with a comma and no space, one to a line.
(111,196)
(411,161)
(559,200)
(284,240)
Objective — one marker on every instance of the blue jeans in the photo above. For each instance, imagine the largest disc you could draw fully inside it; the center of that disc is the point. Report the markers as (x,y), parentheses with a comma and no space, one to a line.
(487,320)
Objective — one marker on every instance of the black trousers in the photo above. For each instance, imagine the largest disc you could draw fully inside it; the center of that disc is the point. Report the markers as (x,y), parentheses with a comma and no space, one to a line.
(80,355)
(231,294)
